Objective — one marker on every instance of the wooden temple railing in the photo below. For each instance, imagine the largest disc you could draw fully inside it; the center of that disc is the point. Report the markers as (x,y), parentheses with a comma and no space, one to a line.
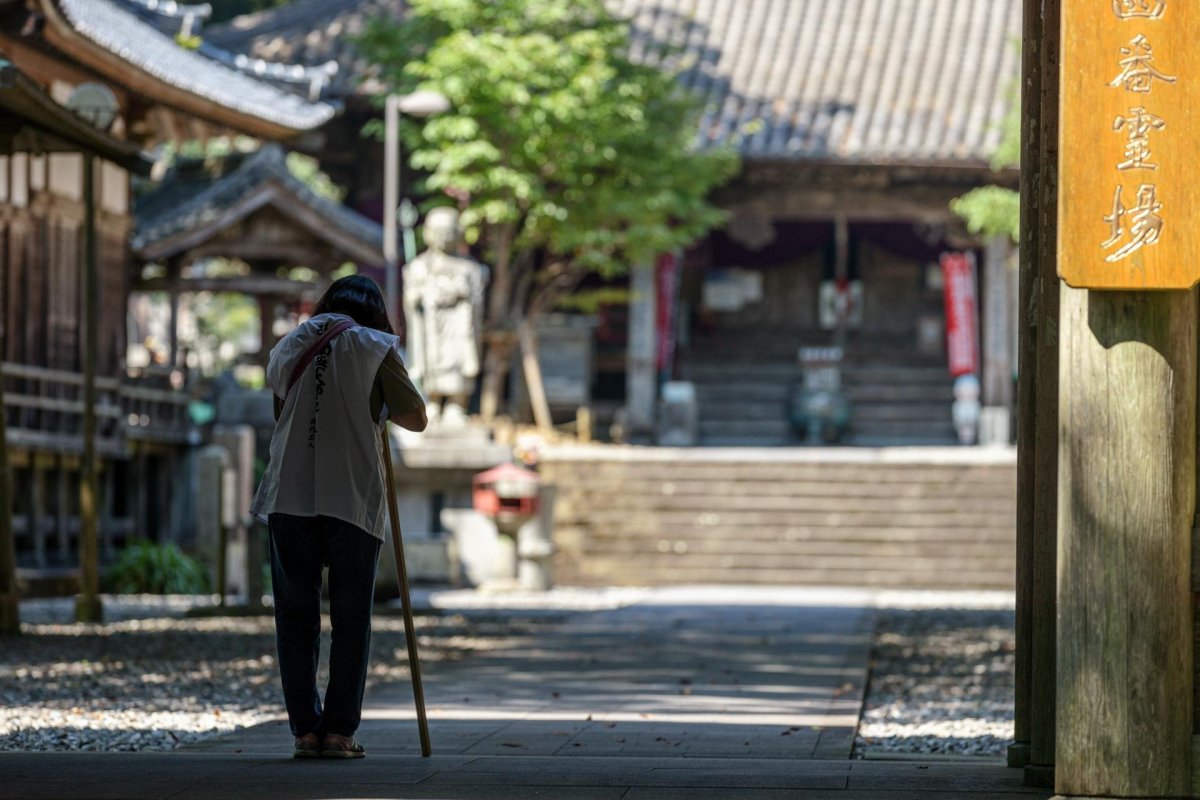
(44,410)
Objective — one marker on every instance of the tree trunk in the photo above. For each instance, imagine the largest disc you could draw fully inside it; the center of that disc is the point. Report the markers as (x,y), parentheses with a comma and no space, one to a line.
(498,344)
(495,369)
(533,376)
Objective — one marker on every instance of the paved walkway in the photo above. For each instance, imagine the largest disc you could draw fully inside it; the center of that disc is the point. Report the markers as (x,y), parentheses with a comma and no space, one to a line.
(697,694)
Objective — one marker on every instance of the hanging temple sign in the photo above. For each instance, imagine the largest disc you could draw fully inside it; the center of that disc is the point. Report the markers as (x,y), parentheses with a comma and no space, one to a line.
(1130,109)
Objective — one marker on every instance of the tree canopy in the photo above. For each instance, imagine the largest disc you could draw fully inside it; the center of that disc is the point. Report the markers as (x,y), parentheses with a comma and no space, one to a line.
(566,156)
(995,210)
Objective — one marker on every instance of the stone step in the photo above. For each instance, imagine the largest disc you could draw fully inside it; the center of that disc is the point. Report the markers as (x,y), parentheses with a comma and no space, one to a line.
(916,413)
(641,504)
(781,534)
(718,391)
(732,519)
(767,442)
(784,516)
(923,439)
(618,572)
(669,480)
(648,546)
(779,471)
(736,428)
(739,372)
(861,393)
(728,408)
(903,431)
(650,558)
(699,490)
(895,376)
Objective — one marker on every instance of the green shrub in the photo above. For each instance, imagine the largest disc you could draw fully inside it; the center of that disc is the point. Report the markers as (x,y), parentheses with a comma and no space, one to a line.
(145,567)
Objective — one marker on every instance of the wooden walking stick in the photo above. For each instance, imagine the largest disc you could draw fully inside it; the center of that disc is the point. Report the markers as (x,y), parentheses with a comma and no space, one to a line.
(410,634)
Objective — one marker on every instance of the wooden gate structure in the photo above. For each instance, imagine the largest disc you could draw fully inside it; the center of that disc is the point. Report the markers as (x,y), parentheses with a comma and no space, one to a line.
(1106,579)
(66,220)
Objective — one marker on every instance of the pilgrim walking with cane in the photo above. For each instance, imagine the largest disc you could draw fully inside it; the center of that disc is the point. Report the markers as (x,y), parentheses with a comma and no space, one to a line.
(337,379)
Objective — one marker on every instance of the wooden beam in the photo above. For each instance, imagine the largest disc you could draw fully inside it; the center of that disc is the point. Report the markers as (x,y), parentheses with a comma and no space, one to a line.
(60,34)
(1127,495)
(206,239)
(45,68)
(249,284)
(1040,771)
(10,617)
(88,607)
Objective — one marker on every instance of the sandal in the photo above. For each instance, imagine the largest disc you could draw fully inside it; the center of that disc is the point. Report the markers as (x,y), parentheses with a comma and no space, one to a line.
(337,746)
(307,746)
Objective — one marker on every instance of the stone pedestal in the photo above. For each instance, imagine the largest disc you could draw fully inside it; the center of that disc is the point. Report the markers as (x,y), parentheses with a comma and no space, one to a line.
(433,480)
(678,415)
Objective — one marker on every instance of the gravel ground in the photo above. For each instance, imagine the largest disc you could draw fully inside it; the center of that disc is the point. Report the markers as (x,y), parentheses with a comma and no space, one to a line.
(941,683)
(151,679)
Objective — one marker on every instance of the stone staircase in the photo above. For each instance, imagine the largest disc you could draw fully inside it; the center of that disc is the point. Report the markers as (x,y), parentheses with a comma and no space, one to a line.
(900,398)
(906,517)
(744,381)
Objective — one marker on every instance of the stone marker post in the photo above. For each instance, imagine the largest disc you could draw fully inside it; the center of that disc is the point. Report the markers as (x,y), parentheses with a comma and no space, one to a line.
(212,463)
(246,533)
(641,369)
(1130,253)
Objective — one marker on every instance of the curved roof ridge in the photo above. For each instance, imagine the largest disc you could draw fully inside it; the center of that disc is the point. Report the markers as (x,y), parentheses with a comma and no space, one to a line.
(192,196)
(119,31)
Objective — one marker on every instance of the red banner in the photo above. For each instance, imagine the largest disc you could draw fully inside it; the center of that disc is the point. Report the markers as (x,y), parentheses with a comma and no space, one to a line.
(666,279)
(962,316)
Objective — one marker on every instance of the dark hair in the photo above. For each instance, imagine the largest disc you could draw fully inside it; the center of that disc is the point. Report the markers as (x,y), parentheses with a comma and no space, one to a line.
(359,298)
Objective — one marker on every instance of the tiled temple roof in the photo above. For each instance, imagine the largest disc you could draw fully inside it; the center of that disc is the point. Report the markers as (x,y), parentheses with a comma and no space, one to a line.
(188,19)
(123,29)
(856,81)
(197,194)
(35,122)
(309,32)
(874,81)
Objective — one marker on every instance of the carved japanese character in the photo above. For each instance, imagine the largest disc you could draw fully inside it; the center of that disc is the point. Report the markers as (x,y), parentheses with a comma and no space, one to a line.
(1138,72)
(1137,127)
(1145,222)
(1139,9)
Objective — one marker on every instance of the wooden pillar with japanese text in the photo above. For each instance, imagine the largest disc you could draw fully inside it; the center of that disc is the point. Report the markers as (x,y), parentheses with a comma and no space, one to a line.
(1129,253)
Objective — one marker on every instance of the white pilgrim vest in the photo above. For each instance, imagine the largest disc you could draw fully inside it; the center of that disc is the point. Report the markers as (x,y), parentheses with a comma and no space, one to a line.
(326,456)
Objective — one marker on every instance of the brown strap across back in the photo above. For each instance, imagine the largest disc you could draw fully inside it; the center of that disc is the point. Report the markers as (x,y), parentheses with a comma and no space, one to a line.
(311,353)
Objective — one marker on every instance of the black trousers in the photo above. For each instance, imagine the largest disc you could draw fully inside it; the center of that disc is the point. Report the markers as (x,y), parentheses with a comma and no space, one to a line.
(300,548)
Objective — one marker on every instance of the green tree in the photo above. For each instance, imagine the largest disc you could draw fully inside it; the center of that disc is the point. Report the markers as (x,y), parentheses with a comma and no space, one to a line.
(567,156)
(995,210)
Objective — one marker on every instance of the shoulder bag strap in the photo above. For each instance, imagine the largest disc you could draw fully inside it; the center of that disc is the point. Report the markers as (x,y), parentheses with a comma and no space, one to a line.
(311,352)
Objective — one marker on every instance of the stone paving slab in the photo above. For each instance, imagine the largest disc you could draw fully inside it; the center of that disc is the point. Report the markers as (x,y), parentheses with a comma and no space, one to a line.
(752,696)
(213,776)
(683,675)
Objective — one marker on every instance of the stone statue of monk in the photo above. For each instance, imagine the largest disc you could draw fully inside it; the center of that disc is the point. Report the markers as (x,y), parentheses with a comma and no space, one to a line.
(443,309)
